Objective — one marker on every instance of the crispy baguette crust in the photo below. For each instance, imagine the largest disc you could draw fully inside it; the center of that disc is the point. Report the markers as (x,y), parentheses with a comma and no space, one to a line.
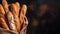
(3,23)
(16,18)
(23,13)
(5,5)
(18,8)
(2,10)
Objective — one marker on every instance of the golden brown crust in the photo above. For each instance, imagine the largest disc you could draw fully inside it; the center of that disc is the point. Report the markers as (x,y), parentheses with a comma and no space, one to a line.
(16,18)
(5,5)
(2,10)
(18,7)
(14,9)
(23,13)
(3,23)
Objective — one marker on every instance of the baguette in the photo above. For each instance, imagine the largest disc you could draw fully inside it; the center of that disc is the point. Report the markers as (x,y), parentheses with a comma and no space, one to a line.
(23,13)
(16,18)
